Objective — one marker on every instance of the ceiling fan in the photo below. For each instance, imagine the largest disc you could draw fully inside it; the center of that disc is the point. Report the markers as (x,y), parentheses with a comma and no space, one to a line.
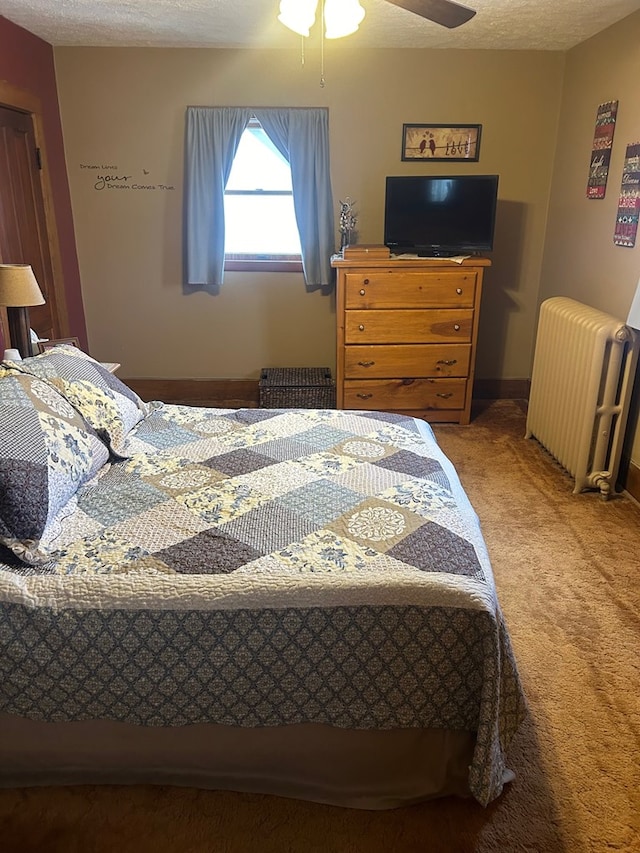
(343,17)
(443,12)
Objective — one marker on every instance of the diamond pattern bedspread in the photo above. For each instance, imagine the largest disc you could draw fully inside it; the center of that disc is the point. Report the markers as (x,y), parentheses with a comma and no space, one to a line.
(264,567)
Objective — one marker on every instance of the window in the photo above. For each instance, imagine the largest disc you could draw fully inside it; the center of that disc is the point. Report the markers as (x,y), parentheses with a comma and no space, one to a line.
(260,224)
(212,137)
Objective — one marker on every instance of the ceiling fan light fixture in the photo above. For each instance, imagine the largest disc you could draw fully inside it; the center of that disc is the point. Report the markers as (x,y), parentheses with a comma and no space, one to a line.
(342,17)
(298,15)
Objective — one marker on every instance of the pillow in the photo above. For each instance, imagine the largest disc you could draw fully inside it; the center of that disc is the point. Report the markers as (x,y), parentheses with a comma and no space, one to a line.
(46,453)
(105,402)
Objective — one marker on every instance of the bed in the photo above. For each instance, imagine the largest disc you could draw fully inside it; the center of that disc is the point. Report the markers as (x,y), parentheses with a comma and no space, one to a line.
(297,602)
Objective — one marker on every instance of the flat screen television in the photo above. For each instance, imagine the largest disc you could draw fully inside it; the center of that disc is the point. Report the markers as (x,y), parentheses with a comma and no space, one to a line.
(440,216)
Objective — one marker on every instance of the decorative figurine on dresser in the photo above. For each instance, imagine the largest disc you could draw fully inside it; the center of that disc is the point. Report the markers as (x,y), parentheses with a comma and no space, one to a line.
(407,331)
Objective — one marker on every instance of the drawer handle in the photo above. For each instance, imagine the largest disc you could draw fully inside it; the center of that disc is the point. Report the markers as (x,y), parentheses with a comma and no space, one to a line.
(366,281)
(459,291)
(361,327)
(366,363)
(445,395)
(456,327)
(363,292)
(447,361)
(364,396)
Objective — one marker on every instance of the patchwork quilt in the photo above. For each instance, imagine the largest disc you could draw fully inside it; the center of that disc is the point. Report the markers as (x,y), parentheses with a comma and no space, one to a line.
(266,567)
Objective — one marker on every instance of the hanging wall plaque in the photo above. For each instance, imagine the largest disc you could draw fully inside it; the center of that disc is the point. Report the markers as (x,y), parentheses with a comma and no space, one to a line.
(601,150)
(629,202)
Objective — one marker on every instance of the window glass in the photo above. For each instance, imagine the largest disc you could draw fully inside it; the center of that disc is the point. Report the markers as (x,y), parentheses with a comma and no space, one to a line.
(258,203)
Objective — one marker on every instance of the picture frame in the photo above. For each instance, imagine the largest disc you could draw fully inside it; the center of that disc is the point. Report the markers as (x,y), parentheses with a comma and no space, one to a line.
(440,143)
(43,346)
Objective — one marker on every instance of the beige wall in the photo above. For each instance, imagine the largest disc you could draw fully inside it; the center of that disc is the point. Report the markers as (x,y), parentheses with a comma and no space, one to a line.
(580,259)
(124,108)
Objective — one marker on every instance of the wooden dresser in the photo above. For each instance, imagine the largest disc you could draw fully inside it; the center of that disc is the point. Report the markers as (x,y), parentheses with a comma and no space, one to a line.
(407,331)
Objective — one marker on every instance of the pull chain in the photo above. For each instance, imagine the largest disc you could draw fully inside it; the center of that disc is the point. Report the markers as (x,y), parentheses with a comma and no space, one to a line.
(322,50)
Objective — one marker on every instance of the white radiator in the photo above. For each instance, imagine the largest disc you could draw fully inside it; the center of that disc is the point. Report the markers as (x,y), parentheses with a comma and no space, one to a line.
(583,372)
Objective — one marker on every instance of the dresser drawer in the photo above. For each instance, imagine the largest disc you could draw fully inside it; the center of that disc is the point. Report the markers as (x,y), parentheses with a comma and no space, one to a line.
(405,394)
(408,327)
(406,360)
(410,290)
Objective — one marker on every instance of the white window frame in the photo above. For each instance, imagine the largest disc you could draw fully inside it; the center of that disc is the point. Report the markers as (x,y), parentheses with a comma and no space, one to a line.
(248,261)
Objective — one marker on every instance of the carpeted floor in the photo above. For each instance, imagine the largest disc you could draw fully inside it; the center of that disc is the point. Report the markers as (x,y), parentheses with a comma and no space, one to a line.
(568,575)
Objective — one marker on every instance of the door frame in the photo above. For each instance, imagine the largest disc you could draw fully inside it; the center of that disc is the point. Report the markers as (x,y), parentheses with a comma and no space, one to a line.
(23,101)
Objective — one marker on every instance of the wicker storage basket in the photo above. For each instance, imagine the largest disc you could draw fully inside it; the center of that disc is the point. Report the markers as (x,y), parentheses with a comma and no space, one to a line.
(297,388)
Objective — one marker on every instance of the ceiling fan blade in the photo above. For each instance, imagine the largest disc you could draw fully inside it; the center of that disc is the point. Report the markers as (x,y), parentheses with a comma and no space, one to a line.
(444,12)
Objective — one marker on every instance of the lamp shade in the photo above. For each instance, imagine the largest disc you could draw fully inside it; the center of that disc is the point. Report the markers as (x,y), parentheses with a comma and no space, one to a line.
(298,15)
(18,286)
(633,319)
(342,17)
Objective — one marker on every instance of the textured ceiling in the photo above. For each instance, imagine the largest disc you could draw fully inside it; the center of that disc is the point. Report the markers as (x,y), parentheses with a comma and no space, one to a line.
(498,24)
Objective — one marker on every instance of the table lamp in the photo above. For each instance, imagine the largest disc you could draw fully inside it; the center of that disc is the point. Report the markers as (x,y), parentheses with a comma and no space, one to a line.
(18,290)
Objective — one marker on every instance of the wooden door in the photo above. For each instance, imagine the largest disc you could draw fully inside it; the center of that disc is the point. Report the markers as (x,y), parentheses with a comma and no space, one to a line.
(23,227)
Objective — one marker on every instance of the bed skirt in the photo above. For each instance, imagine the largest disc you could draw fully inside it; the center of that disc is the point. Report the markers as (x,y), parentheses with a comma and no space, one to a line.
(352,768)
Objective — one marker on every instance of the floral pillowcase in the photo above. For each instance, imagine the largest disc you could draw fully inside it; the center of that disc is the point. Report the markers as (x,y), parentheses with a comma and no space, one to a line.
(47,451)
(106,403)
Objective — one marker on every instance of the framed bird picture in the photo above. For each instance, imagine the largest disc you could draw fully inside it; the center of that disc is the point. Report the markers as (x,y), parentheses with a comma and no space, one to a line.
(441,142)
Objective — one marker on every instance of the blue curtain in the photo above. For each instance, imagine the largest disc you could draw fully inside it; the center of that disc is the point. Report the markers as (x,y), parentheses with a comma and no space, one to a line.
(212,138)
